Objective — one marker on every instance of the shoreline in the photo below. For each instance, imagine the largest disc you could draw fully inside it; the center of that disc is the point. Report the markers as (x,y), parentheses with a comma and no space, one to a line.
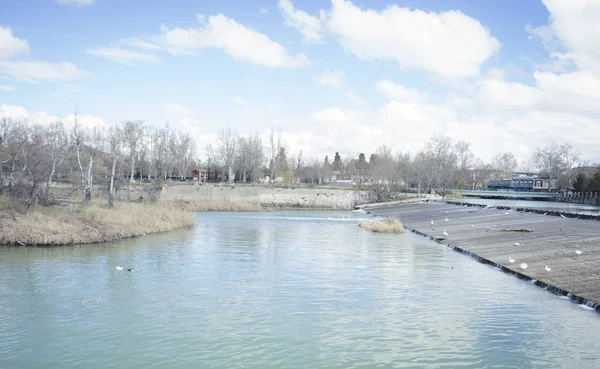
(553,242)
(74,224)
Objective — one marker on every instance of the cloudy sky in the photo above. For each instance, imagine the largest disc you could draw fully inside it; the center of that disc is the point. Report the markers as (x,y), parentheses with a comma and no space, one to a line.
(335,75)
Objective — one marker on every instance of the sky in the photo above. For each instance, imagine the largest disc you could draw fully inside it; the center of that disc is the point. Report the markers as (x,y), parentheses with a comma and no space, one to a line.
(333,75)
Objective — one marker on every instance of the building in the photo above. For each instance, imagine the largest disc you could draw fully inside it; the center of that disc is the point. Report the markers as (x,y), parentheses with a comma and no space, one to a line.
(199,175)
(522,181)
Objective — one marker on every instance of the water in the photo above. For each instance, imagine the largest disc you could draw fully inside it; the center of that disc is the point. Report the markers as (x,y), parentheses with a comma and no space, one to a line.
(280,290)
(547,205)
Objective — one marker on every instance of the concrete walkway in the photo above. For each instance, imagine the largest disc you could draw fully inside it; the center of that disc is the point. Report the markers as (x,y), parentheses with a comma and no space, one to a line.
(553,242)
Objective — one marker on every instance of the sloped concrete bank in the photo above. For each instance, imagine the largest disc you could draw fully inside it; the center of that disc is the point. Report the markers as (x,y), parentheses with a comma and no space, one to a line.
(309,198)
(555,241)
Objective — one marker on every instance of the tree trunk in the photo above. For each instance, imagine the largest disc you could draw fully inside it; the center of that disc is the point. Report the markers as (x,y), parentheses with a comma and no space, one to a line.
(88,186)
(83,190)
(49,183)
(131,179)
(111,187)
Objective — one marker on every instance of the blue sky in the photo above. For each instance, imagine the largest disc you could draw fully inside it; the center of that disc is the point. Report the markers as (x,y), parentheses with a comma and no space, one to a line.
(471,73)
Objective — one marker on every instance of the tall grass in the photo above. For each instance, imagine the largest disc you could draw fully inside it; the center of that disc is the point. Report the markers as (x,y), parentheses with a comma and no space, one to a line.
(62,225)
(388,225)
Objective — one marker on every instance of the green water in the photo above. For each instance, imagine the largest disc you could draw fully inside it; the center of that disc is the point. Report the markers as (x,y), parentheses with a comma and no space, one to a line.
(280,290)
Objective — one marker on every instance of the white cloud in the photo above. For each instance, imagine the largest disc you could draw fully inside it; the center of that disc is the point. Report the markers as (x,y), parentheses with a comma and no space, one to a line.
(31,71)
(10,45)
(239,41)
(576,92)
(572,33)
(35,71)
(75,3)
(44,118)
(354,99)
(331,78)
(309,27)
(446,44)
(264,11)
(6,88)
(13,112)
(176,110)
(216,31)
(123,56)
(397,92)
(240,101)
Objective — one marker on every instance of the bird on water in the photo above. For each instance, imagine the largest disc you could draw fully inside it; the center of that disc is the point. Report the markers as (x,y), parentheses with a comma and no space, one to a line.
(445,233)
(548,268)
(130,269)
(511,260)
(578,252)
(119,267)
(523,266)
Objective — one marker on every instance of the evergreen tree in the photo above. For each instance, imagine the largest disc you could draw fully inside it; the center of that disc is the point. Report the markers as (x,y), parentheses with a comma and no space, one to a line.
(337,162)
(362,164)
(580,183)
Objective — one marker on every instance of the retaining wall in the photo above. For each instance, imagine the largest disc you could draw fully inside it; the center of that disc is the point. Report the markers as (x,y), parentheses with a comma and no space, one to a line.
(313,198)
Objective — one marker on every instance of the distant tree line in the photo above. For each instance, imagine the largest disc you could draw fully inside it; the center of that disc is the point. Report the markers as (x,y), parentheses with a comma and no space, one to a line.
(34,157)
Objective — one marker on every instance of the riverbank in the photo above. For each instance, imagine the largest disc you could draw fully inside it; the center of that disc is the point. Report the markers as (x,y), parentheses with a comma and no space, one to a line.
(568,247)
(76,224)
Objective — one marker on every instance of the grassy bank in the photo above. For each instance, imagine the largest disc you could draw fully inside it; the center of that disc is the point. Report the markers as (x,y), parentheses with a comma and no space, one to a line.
(64,225)
(388,225)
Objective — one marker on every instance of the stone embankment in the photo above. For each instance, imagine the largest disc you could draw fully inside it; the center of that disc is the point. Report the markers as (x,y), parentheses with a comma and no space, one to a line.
(269,197)
(554,251)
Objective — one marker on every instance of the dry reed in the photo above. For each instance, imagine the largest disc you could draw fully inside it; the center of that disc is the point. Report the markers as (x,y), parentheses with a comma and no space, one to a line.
(63,225)
(388,225)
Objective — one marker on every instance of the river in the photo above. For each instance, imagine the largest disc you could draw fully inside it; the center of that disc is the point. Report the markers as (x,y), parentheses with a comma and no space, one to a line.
(296,289)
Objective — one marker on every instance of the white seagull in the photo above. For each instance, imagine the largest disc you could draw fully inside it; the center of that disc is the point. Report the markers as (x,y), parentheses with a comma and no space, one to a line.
(472,226)
(523,266)
(578,252)
(446,219)
(119,267)
(432,223)
(548,268)
(511,260)
(517,244)
(562,216)
(445,233)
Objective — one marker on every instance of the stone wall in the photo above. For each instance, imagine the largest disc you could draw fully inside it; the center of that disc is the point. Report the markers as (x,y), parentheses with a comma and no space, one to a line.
(313,198)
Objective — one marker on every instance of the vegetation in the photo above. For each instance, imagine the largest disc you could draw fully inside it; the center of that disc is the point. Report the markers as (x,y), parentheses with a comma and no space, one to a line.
(76,224)
(388,225)
(584,184)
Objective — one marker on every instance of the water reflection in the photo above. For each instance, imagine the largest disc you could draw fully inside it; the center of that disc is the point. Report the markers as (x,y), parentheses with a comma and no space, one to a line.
(289,289)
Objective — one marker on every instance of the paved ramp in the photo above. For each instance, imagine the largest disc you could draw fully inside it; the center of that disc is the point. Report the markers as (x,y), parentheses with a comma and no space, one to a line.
(553,242)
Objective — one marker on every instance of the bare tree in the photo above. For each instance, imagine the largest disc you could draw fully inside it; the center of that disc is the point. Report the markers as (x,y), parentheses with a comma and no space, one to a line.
(57,141)
(504,164)
(133,132)
(383,167)
(226,149)
(464,161)
(115,140)
(441,160)
(277,144)
(80,141)
(570,156)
